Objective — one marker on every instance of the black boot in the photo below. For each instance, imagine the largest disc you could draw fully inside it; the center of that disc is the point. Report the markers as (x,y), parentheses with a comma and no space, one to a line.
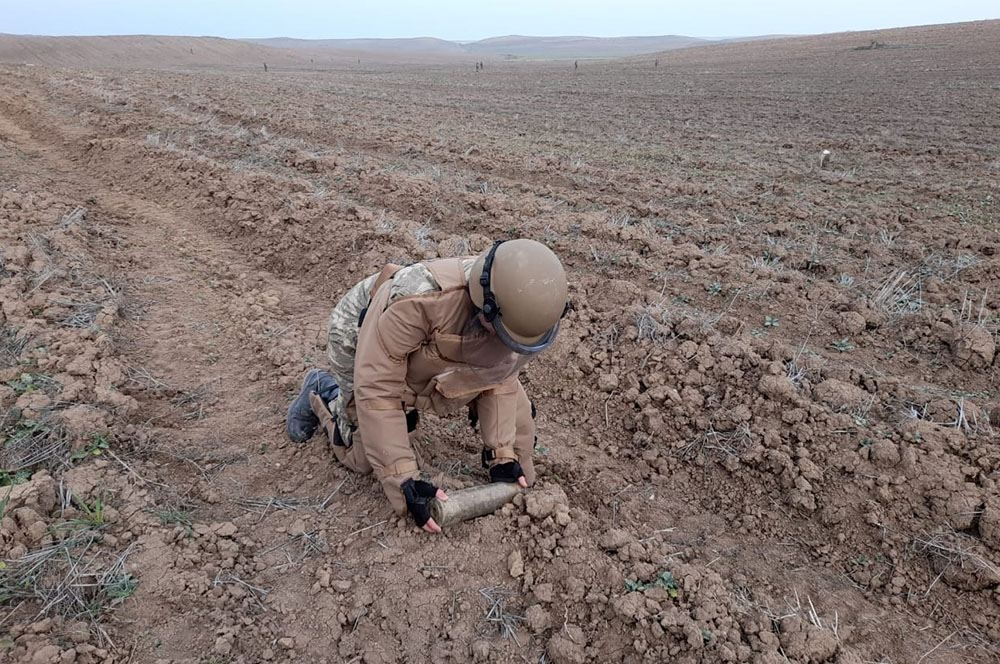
(301,422)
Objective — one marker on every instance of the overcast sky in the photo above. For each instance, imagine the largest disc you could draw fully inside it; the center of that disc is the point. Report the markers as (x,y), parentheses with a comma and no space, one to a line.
(476,19)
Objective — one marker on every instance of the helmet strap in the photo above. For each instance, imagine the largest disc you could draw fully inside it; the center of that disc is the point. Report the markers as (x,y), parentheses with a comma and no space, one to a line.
(490,308)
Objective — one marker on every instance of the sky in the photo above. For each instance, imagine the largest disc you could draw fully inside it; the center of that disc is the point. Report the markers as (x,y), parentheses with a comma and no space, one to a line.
(476,19)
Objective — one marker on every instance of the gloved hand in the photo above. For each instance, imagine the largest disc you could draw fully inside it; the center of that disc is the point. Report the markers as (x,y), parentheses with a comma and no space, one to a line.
(510,472)
(418,495)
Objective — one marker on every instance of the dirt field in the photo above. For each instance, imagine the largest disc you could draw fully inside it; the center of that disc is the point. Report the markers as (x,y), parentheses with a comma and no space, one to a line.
(765,431)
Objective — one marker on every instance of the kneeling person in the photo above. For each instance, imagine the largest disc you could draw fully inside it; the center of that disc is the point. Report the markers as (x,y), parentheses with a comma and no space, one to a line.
(437,336)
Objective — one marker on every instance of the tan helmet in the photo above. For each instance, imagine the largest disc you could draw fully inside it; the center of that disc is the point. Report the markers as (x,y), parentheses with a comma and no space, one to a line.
(522,293)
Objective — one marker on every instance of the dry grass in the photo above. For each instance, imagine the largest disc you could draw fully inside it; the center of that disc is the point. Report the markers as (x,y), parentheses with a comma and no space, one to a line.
(12,344)
(721,443)
(498,618)
(900,294)
(71,578)
(954,549)
(30,443)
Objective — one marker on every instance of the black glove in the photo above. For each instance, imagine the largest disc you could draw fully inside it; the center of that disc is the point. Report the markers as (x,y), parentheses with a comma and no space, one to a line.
(506,472)
(418,495)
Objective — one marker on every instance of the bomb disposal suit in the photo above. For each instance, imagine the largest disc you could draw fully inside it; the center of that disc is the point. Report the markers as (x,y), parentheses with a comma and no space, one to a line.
(435,336)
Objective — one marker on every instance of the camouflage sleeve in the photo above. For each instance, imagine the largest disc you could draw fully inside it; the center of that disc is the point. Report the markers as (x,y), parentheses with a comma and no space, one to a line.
(342,333)
(413,279)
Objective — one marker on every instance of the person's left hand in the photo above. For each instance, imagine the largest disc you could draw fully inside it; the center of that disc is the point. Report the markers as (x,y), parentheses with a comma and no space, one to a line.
(508,472)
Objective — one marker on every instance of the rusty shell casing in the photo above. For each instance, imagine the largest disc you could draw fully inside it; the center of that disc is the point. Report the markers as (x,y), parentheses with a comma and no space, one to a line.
(473,502)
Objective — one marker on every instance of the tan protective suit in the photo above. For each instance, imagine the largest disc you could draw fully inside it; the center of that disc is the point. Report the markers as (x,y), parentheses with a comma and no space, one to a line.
(409,356)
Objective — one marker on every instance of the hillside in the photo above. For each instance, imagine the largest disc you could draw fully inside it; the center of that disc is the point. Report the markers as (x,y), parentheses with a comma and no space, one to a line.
(422,45)
(507,46)
(580,47)
(145,51)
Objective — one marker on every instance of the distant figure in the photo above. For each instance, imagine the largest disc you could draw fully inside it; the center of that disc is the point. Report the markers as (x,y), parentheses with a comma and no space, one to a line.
(656,63)
(477,66)
(576,64)
(265,66)
(481,66)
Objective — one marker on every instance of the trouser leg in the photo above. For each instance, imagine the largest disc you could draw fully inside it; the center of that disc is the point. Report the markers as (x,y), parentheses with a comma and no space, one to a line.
(352,456)
(524,437)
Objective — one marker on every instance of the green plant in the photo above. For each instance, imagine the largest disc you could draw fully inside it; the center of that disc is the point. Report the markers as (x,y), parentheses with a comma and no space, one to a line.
(843,345)
(29,443)
(29,382)
(714,288)
(665,580)
(770,321)
(98,443)
(93,512)
(173,516)
(13,478)
(121,588)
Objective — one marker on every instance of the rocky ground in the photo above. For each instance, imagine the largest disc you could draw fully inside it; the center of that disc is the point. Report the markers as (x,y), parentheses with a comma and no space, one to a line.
(767,432)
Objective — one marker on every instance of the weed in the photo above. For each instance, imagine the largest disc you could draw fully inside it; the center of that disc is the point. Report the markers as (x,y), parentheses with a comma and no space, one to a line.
(767,261)
(121,588)
(71,578)
(665,580)
(844,345)
(770,321)
(12,344)
(795,373)
(28,443)
(714,288)
(845,280)
(422,235)
(98,443)
(8,478)
(175,516)
(887,237)
(32,382)
(93,513)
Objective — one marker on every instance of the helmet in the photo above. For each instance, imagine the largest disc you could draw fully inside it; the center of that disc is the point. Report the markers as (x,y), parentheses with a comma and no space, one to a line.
(520,286)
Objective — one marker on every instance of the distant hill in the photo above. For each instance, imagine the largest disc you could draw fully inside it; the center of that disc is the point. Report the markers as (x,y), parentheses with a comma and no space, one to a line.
(143,51)
(510,46)
(579,47)
(422,45)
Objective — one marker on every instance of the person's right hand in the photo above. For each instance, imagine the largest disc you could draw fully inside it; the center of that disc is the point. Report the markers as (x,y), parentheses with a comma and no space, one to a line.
(508,472)
(418,495)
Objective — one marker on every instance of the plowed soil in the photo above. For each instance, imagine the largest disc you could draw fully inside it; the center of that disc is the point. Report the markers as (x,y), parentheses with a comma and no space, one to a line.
(764,434)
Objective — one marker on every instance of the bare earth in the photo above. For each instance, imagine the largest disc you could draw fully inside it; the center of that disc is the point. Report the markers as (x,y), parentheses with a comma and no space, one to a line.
(765,432)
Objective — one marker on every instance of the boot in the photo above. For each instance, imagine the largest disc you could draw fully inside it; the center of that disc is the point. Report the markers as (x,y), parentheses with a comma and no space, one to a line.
(301,422)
